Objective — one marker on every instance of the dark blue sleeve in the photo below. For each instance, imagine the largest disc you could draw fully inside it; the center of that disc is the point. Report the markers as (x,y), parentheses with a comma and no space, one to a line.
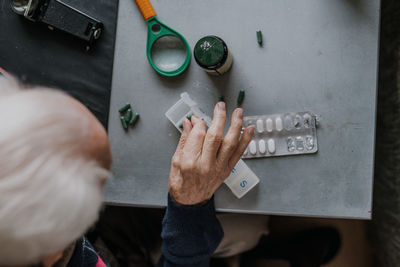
(190,234)
(84,254)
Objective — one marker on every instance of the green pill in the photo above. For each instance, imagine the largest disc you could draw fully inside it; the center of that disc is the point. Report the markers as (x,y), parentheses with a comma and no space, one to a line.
(124,108)
(181,126)
(128,115)
(123,122)
(240,97)
(259,38)
(134,119)
(221,99)
(189,117)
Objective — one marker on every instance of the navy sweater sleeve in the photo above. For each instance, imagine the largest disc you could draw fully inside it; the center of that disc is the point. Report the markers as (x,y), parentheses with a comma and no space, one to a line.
(190,234)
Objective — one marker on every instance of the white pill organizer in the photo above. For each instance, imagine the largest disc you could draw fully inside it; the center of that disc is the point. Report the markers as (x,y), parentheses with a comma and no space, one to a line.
(282,135)
(242,179)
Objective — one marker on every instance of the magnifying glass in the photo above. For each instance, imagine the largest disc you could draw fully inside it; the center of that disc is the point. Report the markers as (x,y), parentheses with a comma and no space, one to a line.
(167,50)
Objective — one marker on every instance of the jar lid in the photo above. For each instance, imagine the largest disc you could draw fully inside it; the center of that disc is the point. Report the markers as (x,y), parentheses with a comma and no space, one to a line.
(209,51)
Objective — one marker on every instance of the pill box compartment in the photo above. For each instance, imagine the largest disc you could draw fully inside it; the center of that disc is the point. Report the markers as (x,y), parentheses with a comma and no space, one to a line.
(185,107)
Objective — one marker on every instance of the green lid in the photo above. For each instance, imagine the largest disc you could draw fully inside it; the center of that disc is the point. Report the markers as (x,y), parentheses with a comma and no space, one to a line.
(209,51)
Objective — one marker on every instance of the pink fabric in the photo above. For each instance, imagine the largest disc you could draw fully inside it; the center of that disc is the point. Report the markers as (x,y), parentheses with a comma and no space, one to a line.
(100,263)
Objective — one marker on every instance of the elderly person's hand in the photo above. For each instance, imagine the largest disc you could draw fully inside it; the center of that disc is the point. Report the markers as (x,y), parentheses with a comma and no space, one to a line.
(204,159)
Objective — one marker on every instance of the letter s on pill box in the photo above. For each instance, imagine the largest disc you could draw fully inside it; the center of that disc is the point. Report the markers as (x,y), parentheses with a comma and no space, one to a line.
(282,135)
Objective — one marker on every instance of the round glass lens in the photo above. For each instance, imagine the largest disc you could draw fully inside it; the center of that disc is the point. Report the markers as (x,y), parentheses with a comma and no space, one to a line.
(168,53)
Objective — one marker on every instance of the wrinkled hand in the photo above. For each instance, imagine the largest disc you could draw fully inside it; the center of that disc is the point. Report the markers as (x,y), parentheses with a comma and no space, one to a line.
(204,159)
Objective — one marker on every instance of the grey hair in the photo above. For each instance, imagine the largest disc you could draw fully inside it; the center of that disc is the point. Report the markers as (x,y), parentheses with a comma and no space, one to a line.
(50,194)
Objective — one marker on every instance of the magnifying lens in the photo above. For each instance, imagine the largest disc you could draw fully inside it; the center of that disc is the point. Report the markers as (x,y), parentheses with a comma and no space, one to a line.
(167,50)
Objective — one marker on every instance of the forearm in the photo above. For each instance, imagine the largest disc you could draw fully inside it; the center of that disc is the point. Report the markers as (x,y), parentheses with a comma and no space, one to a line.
(190,234)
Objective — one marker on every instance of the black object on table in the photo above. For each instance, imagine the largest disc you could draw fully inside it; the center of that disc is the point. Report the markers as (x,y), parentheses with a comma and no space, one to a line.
(39,56)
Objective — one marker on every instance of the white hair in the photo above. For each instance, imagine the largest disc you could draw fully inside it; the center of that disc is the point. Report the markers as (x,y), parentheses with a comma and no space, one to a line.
(50,193)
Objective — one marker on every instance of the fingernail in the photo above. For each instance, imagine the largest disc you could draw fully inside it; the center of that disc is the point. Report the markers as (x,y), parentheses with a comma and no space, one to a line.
(185,121)
(240,113)
(251,129)
(221,105)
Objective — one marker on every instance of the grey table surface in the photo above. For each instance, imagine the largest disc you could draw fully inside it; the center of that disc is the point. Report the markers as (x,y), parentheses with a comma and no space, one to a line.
(319,56)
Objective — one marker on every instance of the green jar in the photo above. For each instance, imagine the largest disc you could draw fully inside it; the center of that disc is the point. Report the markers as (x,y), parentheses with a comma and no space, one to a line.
(213,55)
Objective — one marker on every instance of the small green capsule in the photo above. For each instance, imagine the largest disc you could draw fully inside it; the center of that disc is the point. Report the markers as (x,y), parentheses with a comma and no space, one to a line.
(221,99)
(240,97)
(181,126)
(134,119)
(128,115)
(123,122)
(124,108)
(259,38)
(189,117)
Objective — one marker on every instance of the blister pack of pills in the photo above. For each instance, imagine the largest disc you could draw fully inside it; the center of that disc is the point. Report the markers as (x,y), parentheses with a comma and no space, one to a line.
(282,134)
(242,179)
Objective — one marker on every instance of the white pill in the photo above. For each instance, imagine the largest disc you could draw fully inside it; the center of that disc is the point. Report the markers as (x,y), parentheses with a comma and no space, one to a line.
(260,126)
(278,124)
(261,146)
(271,146)
(252,147)
(270,125)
